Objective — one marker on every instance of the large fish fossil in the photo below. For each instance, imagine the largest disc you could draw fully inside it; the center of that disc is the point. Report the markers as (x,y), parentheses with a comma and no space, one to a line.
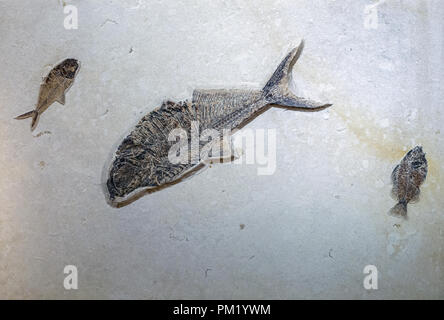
(141,162)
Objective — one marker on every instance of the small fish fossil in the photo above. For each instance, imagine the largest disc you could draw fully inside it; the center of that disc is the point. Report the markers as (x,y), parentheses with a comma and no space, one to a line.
(141,162)
(407,177)
(53,89)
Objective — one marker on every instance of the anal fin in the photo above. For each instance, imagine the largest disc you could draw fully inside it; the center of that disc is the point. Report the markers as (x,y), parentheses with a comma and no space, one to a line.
(226,153)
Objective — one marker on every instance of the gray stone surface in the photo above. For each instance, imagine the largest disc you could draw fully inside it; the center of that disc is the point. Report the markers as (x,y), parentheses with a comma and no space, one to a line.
(308,230)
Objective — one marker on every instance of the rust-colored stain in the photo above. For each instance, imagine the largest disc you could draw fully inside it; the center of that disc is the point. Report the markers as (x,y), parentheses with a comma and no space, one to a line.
(385,143)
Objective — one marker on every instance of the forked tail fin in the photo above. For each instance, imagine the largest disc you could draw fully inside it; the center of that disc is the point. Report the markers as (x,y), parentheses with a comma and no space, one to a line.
(277,89)
(35,118)
(399,210)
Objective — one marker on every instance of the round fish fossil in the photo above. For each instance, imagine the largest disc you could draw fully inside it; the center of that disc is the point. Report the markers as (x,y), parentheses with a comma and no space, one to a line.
(53,89)
(407,176)
(141,162)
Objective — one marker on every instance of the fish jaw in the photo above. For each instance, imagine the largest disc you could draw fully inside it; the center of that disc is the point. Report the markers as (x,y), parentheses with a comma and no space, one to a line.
(124,178)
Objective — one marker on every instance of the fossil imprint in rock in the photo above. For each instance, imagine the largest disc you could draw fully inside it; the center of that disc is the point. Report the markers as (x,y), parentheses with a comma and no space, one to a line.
(54,87)
(407,177)
(141,164)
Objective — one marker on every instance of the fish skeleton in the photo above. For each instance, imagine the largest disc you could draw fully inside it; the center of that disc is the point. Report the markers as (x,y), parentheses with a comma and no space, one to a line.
(407,176)
(53,89)
(141,161)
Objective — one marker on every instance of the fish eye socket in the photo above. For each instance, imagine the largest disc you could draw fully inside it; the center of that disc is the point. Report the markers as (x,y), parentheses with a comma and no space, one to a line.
(416,164)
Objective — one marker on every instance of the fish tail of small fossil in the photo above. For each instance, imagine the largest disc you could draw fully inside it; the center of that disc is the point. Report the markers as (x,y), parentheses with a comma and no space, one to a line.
(25,115)
(35,117)
(399,210)
(277,90)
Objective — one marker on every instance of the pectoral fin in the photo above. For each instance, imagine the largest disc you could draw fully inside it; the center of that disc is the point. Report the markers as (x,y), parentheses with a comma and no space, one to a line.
(61,99)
